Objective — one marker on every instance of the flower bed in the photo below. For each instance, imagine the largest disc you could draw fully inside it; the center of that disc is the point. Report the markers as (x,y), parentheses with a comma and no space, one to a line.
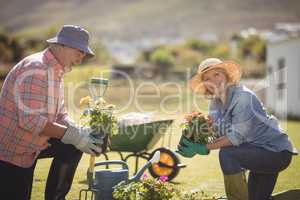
(155,189)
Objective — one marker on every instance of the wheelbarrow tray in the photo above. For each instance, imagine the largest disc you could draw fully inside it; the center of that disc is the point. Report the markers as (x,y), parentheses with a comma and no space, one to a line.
(140,137)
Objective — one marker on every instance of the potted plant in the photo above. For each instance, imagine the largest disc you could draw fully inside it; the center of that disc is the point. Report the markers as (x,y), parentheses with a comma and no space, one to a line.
(100,117)
(197,127)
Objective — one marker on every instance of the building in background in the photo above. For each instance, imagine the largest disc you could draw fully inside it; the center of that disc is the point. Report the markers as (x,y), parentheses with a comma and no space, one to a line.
(283,76)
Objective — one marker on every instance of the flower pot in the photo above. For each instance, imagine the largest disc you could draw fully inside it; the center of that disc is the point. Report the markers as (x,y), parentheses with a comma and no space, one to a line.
(105,143)
(104,137)
(186,136)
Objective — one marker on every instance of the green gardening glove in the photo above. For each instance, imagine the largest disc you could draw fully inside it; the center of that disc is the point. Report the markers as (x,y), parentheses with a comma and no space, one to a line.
(188,148)
(185,151)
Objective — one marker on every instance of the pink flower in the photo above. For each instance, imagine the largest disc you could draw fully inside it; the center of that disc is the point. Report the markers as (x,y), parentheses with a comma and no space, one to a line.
(163,178)
(145,176)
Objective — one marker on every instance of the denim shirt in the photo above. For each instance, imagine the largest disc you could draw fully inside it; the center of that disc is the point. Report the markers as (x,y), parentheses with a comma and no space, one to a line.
(243,119)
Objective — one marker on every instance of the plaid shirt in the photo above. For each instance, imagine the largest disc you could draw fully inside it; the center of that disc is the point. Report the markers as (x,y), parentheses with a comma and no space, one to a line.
(31,96)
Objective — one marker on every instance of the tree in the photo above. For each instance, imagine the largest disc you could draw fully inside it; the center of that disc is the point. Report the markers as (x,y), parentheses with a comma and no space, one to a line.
(163,59)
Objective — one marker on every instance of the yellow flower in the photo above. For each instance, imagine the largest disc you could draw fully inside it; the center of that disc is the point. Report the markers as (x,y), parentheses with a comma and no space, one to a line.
(100,102)
(85,101)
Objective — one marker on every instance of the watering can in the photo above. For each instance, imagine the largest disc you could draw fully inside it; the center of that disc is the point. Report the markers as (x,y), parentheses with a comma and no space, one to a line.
(106,179)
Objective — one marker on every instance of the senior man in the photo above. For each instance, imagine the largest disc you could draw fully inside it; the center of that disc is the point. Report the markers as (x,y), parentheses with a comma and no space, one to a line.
(34,123)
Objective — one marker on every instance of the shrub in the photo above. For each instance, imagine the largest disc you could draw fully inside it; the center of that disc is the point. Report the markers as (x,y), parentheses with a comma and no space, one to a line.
(253,47)
(221,51)
(5,53)
(10,48)
(199,45)
(188,58)
(13,47)
(184,57)
(162,58)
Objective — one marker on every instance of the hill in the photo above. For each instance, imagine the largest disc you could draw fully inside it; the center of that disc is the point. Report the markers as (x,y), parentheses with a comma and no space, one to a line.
(130,19)
(133,24)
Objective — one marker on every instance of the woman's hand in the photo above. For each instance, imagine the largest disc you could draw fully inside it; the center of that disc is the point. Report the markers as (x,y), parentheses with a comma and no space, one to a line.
(219,143)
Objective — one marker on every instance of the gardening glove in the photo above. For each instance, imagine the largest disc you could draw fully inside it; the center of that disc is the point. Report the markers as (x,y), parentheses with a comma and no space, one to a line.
(185,151)
(68,121)
(186,146)
(81,138)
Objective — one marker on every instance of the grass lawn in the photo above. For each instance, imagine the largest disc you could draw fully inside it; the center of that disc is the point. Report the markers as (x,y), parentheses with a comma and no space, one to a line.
(202,172)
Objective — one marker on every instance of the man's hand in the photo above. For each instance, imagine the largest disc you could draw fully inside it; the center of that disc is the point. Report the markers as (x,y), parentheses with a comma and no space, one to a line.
(188,148)
(81,138)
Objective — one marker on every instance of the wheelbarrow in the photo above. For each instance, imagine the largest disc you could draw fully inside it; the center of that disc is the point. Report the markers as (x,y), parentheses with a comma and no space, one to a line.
(137,140)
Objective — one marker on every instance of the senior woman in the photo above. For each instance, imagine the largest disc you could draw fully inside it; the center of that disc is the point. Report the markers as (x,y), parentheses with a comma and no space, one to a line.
(248,138)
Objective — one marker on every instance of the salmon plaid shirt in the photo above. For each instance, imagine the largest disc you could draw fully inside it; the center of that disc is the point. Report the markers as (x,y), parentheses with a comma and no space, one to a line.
(31,96)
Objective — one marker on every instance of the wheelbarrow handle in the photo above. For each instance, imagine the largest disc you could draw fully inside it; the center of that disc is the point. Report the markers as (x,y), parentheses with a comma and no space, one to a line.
(112,162)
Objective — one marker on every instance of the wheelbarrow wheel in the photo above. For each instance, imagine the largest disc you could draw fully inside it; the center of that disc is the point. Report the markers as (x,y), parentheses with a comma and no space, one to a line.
(167,166)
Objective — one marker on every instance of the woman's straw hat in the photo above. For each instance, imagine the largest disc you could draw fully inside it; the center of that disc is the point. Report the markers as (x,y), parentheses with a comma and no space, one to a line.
(232,70)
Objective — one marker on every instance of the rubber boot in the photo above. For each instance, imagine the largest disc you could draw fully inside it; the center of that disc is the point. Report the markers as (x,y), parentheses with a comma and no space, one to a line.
(236,186)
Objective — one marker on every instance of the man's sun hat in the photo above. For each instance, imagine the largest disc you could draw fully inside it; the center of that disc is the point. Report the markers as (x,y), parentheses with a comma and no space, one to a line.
(74,37)
(231,68)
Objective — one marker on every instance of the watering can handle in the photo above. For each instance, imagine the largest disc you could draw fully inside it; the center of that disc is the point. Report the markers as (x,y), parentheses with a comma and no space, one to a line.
(112,162)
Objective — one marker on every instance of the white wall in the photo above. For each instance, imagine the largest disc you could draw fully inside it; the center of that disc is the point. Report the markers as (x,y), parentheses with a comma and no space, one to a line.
(290,51)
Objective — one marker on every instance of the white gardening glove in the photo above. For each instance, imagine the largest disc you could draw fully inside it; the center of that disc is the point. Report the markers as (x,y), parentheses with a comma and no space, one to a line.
(69,121)
(80,137)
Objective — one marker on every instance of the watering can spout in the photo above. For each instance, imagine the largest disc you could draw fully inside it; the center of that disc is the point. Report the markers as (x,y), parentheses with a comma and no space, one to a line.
(139,174)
